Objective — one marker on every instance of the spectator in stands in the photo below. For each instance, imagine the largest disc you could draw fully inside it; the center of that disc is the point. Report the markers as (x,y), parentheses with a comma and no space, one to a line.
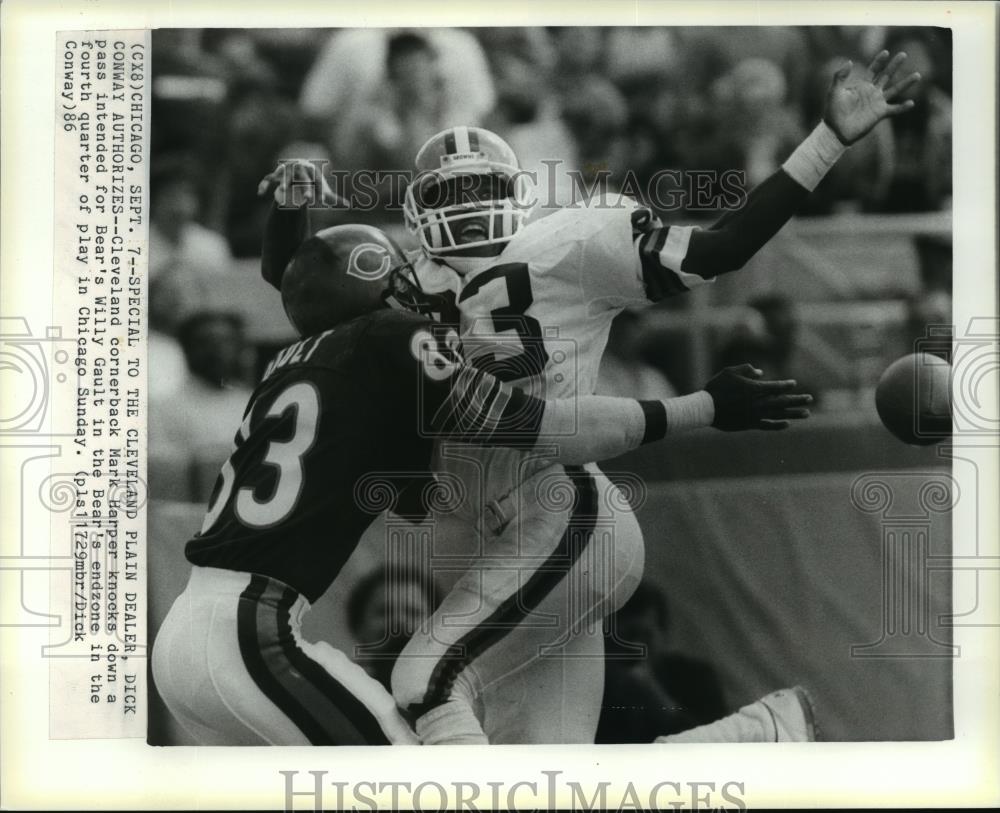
(755,130)
(407,110)
(261,123)
(178,243)
(712,51)
(384,610)
(354,71)
(379,95)
(197,421)
(650,691)
(921,180)
(770,341)
(579,51)
(188,96)
(929,312)
(527,112)
(860,179)
(767,341)
(166,303)
(596,113)
(641,51)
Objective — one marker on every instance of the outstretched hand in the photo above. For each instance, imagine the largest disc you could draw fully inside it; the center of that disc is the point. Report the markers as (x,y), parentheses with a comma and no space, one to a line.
(298,183)
(744,400)
(855,106)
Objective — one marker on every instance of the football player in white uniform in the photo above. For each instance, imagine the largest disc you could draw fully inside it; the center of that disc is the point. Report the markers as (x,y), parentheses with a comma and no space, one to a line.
(516,646)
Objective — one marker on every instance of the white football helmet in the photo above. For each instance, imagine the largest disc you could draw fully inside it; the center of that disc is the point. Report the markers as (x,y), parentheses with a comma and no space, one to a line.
(463,173)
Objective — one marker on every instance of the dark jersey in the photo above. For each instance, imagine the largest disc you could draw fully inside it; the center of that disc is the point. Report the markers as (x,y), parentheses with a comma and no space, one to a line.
(367,398)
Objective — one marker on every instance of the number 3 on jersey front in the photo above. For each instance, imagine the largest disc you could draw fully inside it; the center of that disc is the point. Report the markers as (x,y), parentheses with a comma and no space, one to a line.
(532,358)
(284,455)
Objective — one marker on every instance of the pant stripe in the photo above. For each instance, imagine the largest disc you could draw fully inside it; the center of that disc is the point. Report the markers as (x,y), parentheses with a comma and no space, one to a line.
(316,704)
(253,659)
(362,727)
(512,611)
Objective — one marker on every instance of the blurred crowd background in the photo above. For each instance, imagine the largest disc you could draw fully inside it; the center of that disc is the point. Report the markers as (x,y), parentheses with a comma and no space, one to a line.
(229,104)
(842,291)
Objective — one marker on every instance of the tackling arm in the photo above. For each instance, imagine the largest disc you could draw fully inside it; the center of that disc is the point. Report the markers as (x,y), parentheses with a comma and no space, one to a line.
(483,411)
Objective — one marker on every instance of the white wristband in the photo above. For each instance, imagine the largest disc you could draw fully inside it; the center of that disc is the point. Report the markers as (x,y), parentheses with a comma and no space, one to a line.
(689,411)
(814,157)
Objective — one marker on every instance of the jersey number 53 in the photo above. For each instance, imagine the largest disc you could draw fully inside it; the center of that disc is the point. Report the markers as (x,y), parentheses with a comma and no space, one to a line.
(253,509)
(511,346)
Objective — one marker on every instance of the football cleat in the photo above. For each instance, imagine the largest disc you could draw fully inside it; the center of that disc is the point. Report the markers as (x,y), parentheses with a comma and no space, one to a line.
(466,175)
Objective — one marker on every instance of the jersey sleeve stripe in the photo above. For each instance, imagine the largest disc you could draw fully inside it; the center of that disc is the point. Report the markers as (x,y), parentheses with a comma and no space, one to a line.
(662,252)
(498,405)
(660,282)
(451,410)
(675,250)
(482,409)
(475,416)
(476,405)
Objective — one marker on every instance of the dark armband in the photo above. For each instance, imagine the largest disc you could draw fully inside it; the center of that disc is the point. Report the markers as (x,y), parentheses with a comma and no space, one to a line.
(673,415)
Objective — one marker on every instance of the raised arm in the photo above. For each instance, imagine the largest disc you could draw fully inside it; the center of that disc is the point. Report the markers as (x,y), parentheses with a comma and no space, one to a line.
(852,109)
(294,187)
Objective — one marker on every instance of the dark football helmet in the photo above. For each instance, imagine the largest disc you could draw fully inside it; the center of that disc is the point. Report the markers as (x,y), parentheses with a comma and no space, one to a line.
(340,273)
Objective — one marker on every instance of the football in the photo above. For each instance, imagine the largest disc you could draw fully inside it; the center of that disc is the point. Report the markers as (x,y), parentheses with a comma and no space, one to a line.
(913,399)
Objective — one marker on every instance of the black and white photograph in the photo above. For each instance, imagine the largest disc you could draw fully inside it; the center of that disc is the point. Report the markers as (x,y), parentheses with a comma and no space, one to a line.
(671,309)
(606,395)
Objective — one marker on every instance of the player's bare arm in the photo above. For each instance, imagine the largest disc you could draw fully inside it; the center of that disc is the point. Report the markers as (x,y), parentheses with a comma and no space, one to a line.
(853,108)
(593,427)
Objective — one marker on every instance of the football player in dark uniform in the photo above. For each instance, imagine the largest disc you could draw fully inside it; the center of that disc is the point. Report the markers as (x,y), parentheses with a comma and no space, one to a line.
(363,394)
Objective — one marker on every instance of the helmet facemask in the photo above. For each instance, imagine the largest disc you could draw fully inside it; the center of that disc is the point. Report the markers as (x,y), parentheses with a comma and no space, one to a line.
(441,203)
(404,292)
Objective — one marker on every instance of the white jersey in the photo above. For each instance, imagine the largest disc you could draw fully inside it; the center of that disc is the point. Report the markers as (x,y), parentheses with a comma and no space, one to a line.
(538,314)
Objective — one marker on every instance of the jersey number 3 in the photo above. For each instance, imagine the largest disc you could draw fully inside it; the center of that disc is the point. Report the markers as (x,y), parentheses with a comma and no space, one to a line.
(532,357)
(285,456)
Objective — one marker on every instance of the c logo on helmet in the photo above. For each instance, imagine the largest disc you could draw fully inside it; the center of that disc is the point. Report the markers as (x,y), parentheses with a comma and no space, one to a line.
(369,262)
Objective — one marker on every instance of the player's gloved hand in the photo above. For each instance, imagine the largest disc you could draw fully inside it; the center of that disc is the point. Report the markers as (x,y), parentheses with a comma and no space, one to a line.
(298,183)
(743,400)
(855,106)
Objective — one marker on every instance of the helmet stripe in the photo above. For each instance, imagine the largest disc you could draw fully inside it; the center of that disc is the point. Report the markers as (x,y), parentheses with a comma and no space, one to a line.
(449,142)
(462,139)
(473,140)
